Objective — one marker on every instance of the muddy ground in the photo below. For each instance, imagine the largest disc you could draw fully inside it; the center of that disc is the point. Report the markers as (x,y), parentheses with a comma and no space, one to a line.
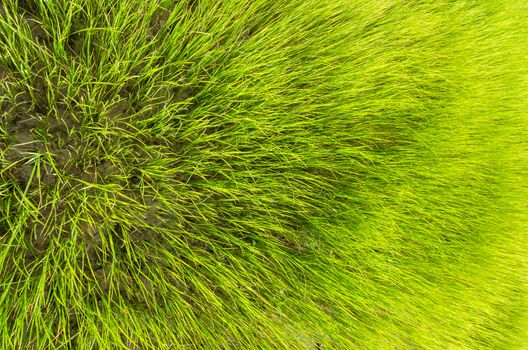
(36,130)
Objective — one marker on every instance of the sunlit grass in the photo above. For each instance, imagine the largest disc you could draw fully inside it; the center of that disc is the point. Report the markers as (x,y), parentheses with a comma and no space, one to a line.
(262,174)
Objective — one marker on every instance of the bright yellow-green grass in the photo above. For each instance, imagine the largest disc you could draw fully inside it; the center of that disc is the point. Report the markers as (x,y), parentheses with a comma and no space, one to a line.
(264,174)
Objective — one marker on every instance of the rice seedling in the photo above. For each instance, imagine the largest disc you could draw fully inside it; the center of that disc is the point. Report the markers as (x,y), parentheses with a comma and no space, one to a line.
(263,174)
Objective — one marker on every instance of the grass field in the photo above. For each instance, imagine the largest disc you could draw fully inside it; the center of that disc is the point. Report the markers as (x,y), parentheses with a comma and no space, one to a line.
(262,174)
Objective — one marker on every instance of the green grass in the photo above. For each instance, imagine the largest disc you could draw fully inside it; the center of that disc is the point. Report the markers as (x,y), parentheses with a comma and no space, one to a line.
(301,174)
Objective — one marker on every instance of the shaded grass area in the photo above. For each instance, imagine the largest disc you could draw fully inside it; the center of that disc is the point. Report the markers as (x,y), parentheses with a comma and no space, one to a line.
(263,175)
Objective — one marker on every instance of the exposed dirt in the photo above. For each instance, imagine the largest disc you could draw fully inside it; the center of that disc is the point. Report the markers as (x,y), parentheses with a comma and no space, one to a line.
(49,135)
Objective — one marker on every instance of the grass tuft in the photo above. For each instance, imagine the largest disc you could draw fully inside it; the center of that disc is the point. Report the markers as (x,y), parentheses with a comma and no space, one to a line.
(239,174)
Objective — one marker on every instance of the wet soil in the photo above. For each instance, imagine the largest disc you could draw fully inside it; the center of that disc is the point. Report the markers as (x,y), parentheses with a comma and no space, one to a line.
(46,147)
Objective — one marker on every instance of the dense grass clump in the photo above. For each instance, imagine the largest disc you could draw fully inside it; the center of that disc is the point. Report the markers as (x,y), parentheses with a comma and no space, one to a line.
(205,174)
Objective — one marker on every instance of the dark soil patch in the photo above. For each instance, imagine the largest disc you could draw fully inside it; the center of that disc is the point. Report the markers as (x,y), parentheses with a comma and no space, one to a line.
(52,142)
